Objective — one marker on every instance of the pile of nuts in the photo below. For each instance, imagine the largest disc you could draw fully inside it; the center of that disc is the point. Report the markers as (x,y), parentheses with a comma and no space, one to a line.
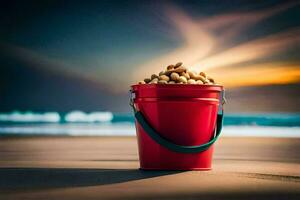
(178,74)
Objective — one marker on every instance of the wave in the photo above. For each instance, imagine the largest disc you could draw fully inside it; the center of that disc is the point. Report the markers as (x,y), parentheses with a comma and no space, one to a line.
(128,129)
(79,116)
(55,117)
(246,119)
(16,116)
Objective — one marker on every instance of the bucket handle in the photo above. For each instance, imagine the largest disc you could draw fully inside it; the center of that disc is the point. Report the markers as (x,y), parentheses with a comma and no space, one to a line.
(152,133)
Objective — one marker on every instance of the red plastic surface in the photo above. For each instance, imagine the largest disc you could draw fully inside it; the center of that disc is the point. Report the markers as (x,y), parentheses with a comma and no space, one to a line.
(183,114)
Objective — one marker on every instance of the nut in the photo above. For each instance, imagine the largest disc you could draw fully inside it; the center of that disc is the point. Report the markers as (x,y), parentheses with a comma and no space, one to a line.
(168,72)
(155,80)
(203,74)
(174,76)
(179,74)
(211,79)
(192,74)
(170,67)
(147,80)
(196,76)
(206,81)
(182,79)
(191,81)
(186,75)
(164,77)
(180,69)
(162,82)
(161,73)
(153,76)
(199,82)
(178,65)
(202,79)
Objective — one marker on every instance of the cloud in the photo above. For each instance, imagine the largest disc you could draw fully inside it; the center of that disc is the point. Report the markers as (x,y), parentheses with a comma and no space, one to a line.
(232,24)
(197,43)
(251,51)
(205,43)
(210,42)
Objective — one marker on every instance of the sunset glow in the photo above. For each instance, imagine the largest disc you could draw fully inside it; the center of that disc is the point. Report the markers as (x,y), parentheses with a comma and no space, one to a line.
(261,74)
(209,43)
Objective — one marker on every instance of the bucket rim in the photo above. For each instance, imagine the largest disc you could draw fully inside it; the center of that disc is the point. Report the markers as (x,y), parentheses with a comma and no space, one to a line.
(178,86)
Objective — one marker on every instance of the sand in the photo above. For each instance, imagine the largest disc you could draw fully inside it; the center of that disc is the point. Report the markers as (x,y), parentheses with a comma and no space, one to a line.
(107,168)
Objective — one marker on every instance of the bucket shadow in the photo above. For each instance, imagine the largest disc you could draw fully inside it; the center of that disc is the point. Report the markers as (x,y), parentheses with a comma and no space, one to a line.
(37,178)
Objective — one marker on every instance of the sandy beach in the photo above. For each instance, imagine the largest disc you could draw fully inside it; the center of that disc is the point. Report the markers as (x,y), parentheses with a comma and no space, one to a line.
(107,168)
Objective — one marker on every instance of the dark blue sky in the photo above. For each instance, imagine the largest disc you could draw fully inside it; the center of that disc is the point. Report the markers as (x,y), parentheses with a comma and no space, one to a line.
(111,44)
(72,28)
(79,30)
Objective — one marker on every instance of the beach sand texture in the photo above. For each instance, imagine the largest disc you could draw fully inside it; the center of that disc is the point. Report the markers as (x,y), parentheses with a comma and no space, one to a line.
(107,168)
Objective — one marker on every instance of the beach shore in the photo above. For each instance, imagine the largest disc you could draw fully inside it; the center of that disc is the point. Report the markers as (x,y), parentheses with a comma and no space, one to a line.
(107,168)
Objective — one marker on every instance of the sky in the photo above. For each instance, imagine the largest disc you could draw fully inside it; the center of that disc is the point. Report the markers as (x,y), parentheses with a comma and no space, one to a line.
(106,46)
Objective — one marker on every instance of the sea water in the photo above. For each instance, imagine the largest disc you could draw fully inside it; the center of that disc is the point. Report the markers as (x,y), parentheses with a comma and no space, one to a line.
(78,123)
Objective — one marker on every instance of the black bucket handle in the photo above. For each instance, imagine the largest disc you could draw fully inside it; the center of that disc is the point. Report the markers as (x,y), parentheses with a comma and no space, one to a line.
(152,133)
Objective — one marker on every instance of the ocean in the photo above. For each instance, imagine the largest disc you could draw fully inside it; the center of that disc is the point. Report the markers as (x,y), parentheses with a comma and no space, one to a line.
(78,123)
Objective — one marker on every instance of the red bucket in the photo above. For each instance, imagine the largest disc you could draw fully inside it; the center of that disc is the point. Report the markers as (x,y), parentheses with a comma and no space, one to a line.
(177,125)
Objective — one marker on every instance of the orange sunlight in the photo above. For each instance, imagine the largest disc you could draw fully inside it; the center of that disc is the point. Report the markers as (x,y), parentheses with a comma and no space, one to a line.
(206,48)
(261,74)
